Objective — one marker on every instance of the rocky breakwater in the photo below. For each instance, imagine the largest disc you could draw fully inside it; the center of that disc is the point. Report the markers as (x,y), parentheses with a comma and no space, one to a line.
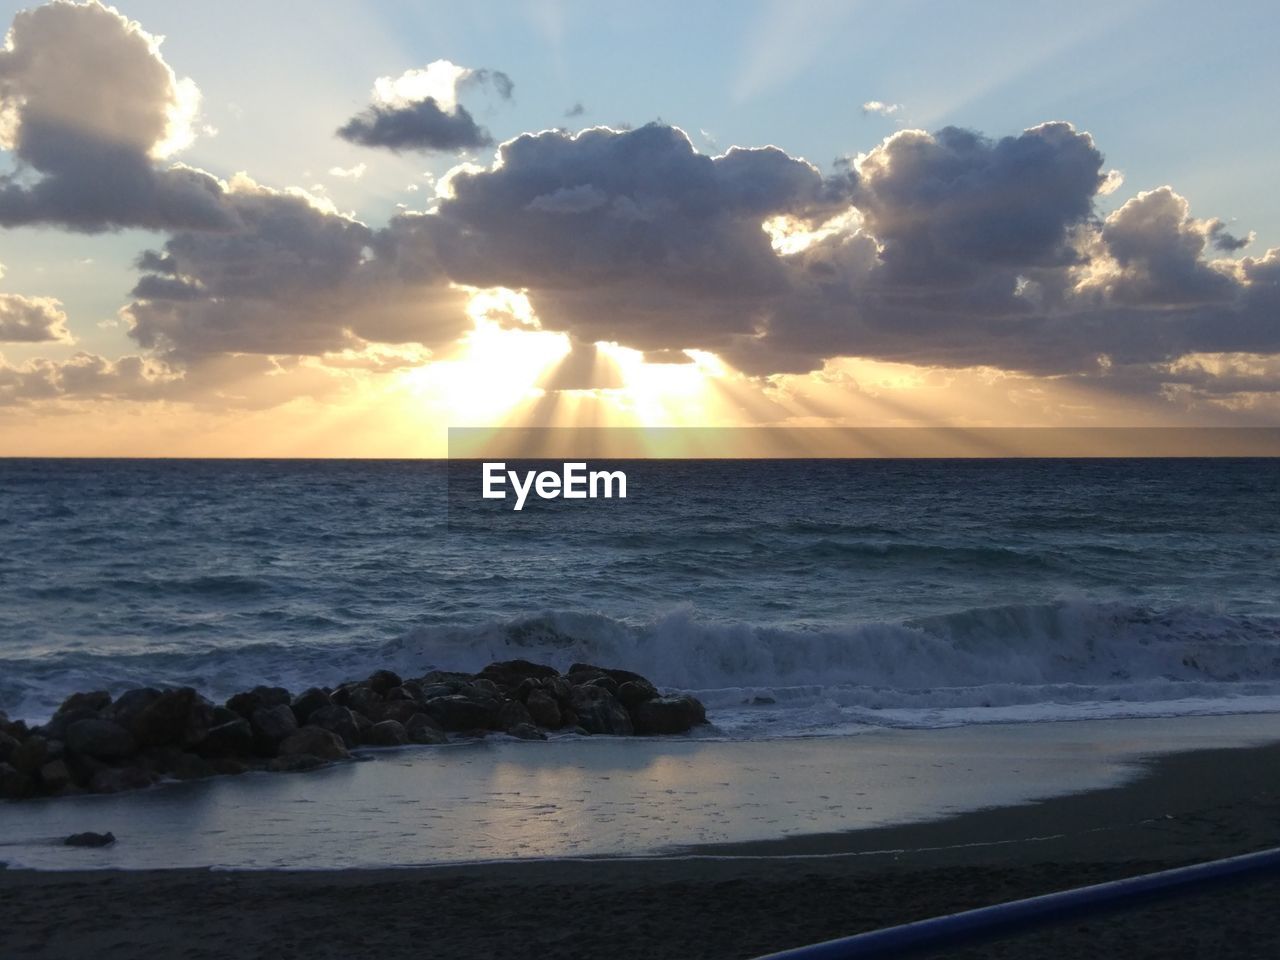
(99,744)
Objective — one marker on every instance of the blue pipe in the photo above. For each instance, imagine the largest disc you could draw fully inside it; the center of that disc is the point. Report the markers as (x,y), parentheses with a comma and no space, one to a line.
(989,923)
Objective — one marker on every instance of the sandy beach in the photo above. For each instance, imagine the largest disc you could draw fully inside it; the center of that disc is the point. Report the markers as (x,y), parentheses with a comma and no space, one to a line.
(718,901)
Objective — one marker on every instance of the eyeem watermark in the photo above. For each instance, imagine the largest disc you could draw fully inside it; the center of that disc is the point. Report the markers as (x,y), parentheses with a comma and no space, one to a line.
(573,482)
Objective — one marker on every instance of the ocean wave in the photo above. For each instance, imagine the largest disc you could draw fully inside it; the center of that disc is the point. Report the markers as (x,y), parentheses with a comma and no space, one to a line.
(1020,662)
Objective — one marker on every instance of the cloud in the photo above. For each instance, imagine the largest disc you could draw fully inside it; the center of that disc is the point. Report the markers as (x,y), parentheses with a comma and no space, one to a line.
(32,320)
(89,107)
(419,110)
(880,108)
(1227,242)
(631,236)
(295,278)
(1156,252)
(576,110)
(349,173)
(217,382)
(945,249)
(83,376)
(417,126)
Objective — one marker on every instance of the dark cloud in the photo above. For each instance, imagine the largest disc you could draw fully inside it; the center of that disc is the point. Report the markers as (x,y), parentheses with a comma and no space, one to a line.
(946,205)
(1228,242)
(415,126)
(576,110)
(1159,252)
(90,109)
(293,278)
(631,236)
(943,249)
(495,80)
(410,117)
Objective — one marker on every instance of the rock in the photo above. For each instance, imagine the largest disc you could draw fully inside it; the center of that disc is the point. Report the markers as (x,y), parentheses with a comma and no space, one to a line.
(511,673)
(56,776)
(56,728)
(635,692)
(582,673)
(363,700)
(560,688)
(433,690)
(295,763)
(102,739)
(388,733)
(247,703)
(443,676)
(400,710)
(668,715)
(316,742)
(382,681)
(120,779)
(15,728)
(83,768)
(14,784)
(363,725)
(422,729)
(95,702)
(90,839)
(513,713)
(31,754)
(338,720)
(130,704)
(607,682)
(308,702)
(232,739)
(130,742)
(188,766)
(487,687)
(178,717)
(600,712)
(543,709)
(273,724)
(8,744)
(458,712)
(526,731)
(223,715)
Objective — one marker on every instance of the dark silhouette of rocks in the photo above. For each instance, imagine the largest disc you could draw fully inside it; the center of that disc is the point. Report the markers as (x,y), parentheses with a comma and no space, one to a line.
(98,744)
(90,839)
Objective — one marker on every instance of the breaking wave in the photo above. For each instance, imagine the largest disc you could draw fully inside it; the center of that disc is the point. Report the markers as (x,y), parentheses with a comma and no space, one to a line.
(1059,660)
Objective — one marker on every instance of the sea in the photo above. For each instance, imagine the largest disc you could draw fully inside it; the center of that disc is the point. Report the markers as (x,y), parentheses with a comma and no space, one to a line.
(796,598)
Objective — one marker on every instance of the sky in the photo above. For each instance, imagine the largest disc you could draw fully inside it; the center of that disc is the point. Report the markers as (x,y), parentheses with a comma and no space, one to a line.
(254,230)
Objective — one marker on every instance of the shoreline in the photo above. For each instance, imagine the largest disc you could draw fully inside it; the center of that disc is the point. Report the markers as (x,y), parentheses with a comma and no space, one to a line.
(706,901)
(500,799)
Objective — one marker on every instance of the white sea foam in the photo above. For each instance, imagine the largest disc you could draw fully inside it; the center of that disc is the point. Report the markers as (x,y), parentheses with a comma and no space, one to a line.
(1061,660)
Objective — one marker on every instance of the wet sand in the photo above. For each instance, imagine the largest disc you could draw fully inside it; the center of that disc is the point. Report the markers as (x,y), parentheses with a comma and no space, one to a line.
(726,901)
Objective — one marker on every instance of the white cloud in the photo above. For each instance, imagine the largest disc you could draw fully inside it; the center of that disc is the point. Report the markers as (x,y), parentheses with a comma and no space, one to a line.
(880,108)
(349,173)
